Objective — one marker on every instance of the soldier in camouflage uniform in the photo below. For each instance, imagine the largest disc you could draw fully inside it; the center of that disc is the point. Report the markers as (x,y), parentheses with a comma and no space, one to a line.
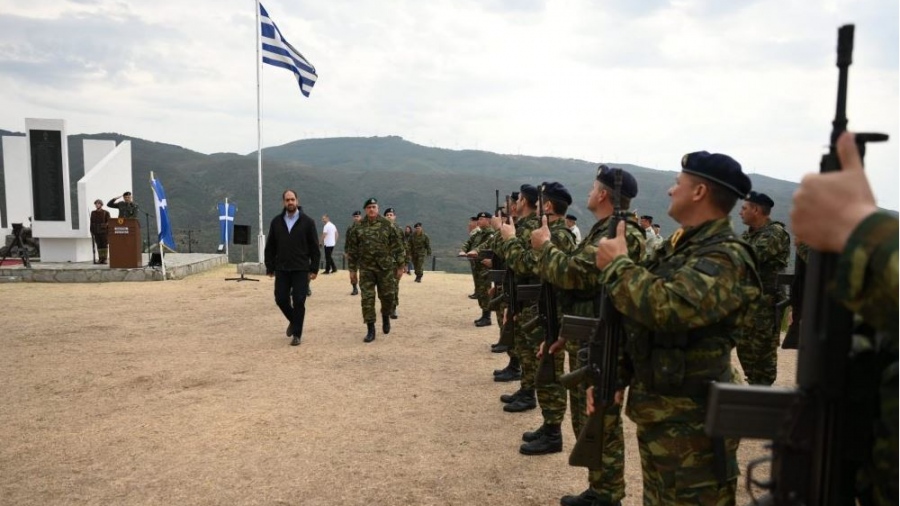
(357,216)
(375,249)
(757,348)
(681,313)
(392,216)
(836,213)
(475,249)
(517,252)
(576,274)
(419,249)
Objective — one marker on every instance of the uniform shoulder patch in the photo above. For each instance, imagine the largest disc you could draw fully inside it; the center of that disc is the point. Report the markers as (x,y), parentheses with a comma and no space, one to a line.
(708,267)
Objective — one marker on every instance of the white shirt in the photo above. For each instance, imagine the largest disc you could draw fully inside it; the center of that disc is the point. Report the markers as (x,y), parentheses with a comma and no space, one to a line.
(577,233)
(330,232)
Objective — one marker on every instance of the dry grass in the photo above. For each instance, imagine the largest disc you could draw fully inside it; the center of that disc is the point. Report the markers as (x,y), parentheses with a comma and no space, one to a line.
(187,392)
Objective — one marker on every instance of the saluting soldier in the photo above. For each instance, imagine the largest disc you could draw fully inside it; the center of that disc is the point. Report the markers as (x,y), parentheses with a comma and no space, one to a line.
(419,249)
(757,348)
(577,276)
(375,249)
(681,312)
(127,207)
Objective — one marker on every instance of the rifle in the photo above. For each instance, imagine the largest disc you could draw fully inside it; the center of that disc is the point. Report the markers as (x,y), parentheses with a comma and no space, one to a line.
(820,430)
(601,361)
(781,305)
(548,318)
(792,338)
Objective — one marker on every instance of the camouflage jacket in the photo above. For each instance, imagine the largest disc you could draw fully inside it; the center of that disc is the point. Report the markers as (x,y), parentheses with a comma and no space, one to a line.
(576,272)
(772,246)
(682,311)
(419,244)
(375,245)
(517,250)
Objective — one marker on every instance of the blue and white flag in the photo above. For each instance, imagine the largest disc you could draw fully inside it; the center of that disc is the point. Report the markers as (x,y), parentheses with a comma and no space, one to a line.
(162,214)
(226,223)
(279,52)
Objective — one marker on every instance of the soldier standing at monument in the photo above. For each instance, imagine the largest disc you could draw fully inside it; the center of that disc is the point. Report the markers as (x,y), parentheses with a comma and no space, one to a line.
(419,249)
(127,207)
(99,217)
(681,312)
(375,250)
(757,348)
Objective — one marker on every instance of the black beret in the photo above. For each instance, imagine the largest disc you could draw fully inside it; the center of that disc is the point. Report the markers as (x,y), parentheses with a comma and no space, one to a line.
(761,199)
(126,194)
(388,210)
(357,213)
(529,192)
(473,218)
(647,217)
(370,201)
(556,191)
(571,217)
(629,184)
(483,214)
(417,225)
(514,196)
(717,168)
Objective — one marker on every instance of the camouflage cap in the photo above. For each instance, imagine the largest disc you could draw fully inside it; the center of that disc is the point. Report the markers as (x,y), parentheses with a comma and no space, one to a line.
(718,168)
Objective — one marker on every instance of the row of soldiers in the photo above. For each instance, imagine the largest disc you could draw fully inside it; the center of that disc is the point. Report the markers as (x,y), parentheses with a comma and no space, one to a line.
(686,304)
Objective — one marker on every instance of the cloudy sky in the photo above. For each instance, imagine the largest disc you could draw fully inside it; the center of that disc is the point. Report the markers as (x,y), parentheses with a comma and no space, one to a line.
(637,81)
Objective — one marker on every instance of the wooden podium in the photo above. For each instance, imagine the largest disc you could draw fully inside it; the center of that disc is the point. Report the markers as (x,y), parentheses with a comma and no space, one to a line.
(124,235)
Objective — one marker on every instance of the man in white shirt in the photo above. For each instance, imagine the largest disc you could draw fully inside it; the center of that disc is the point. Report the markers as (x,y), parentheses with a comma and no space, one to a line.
(329,239)
(570,222)
(654,241)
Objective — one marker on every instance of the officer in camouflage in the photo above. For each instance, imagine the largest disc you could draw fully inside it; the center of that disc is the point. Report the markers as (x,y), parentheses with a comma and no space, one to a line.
(375,249)
(475,249)
(836,213)
(419,249)
(757,348)
(392,216)
(520,256)
(681,313)
(357,216)
(576,274)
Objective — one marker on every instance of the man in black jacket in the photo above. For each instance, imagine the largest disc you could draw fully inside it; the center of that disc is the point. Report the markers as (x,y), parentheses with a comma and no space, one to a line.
(292,257)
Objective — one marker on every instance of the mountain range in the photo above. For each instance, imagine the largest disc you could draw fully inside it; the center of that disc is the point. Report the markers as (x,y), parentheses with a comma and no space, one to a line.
(439,187)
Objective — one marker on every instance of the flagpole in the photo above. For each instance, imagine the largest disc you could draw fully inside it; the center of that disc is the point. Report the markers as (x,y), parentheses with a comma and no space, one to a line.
(162,259)
(261,239)
(226,228)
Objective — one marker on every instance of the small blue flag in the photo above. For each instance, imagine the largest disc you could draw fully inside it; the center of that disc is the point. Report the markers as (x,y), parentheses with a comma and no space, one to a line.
(162,214)
(226,223)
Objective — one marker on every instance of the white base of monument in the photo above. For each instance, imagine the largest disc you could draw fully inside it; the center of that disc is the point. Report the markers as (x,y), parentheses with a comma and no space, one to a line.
(66,250)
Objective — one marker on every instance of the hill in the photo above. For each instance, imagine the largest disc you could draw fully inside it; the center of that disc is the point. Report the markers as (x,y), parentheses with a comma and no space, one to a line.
(441,188)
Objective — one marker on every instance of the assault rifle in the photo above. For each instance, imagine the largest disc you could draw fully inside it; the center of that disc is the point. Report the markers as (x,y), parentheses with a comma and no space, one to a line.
(820,431)
(792,338)
(549,319)
(783,304)
(603,336)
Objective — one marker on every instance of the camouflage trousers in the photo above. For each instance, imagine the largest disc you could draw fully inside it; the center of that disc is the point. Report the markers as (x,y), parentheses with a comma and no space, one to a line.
(418,261)
(482,286)
(384,282)
(609,481)
(551,396)
(524,346)
(757,348)
(678,465)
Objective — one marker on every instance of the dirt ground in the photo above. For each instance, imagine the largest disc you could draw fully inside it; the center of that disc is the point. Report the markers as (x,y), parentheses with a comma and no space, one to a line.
(187,392)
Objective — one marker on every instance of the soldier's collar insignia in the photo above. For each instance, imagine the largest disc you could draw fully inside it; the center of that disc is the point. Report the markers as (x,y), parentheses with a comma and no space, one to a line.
(675,237)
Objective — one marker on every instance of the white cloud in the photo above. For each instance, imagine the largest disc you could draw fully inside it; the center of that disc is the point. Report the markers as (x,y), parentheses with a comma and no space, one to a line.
(639,82)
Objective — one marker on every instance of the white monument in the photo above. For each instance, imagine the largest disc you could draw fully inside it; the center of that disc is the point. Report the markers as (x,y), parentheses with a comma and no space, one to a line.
(36,173)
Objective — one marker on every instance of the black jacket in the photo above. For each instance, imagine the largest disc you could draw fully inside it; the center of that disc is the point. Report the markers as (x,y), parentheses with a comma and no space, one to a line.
(297,250)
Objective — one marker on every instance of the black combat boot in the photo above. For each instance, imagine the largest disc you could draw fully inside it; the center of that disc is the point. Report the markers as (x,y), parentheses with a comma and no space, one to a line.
(418,278)
(355,291)
(485,320)
(525,402)
(509,398)
(586,498)
(473,296)
(394,315)
(509,375)
(370,335)
(549,442)
(513,364)
(385,323)
(499,348)
(534,435)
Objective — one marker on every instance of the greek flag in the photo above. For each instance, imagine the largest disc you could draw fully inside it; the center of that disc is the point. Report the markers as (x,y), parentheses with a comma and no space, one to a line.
(279,52)
(226,223)
(162,214)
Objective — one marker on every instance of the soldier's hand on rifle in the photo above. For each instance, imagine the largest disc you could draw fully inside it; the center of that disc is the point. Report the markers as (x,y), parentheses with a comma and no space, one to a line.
(609,249)
(507,231)
(618,398)
(557,345)
(472,254)
(828,207)
(541,235)
(487,263)
(496,221)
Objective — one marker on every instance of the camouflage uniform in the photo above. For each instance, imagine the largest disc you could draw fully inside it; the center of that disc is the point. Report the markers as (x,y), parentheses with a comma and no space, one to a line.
(375,248)
(466,247)
(519,255)
(866,283)
(419,249)
(681,313)
(394,281)
(757,349)
(481,242)
(578,277)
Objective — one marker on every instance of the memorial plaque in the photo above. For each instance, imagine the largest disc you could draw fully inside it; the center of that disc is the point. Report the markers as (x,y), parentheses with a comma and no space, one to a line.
(47,181)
